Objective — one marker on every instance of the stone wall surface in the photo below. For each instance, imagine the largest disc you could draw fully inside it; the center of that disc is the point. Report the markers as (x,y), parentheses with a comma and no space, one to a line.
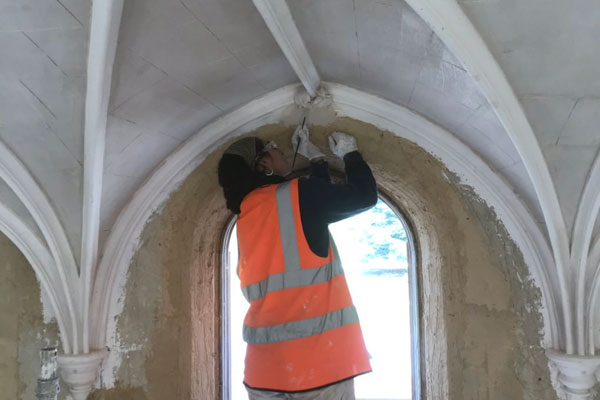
(481,328)
(23,332)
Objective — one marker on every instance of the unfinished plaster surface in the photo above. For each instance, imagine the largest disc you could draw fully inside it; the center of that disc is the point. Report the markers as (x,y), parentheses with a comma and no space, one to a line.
(23,332)
(480,324)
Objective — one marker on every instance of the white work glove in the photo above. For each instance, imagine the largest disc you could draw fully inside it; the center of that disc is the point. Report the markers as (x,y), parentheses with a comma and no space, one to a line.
(306,147)
(342,144)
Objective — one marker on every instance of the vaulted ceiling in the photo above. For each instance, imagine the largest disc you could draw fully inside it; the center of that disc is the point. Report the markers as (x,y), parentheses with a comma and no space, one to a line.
(179,65)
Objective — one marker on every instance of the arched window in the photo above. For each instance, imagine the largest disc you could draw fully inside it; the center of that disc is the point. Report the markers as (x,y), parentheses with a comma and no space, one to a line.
(379,259)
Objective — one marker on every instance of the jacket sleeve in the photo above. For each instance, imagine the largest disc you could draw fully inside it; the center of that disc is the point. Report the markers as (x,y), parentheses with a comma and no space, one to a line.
(330,202)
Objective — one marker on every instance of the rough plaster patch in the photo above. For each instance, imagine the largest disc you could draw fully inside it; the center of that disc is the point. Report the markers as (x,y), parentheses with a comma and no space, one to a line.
(23,331)
(479,294)
(134,324)
(524,299)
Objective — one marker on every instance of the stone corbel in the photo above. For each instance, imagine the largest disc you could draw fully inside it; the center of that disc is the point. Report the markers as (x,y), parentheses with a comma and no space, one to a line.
(577,375)
(80,371)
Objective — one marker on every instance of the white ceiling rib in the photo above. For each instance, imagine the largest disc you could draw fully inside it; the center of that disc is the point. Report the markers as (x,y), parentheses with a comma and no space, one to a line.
(279,19)
(103,45)
(451,24)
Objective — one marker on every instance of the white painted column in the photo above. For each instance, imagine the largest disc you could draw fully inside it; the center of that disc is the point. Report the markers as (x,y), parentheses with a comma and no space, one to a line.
(577,375)
(80,372)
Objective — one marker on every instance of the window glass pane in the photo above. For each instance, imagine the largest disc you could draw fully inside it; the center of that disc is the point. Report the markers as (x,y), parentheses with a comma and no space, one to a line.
(238,309)
(373,249)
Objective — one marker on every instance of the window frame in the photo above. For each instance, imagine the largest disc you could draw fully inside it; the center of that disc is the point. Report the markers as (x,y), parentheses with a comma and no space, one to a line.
(414,303)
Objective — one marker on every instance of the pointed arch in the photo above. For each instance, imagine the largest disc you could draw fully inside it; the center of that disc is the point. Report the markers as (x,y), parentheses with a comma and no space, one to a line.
(594,294)
(60,260)
(124,238)
(45,269)
(582,257)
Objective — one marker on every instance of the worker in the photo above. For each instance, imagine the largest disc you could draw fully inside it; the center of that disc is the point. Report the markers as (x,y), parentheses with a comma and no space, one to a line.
(303,336)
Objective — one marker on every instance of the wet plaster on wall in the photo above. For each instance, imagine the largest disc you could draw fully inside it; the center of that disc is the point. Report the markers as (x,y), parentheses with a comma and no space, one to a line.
(23,332)
(480,324)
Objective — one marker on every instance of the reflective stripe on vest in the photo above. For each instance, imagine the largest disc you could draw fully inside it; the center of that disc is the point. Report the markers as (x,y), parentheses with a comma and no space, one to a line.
(300,329)
(295,277)
(287,228)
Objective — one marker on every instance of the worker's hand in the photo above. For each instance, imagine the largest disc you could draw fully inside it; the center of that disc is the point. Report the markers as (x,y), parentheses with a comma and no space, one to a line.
(342,144)
(306,147)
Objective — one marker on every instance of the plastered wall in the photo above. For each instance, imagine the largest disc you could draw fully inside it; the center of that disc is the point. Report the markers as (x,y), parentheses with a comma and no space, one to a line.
(480,323)
(22,329)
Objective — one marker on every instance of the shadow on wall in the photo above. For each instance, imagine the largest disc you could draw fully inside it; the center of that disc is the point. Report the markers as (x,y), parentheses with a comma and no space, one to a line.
(480,321)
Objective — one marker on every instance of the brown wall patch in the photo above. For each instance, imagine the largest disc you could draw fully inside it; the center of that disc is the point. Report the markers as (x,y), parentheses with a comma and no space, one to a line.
(480,321)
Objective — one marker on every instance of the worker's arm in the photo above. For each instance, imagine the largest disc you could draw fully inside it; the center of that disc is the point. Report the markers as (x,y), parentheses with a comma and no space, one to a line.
(330,202)
(323,202)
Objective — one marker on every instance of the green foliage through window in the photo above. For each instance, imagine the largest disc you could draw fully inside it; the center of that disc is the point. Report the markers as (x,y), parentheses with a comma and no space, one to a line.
(379,241)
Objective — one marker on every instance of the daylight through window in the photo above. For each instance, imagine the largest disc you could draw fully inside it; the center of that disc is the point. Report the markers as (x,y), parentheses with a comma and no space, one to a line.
(377,254)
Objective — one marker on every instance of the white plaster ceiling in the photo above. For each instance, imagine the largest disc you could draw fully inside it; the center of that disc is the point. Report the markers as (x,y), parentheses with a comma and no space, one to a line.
(181,64)
(385,48)
(42,92)
(548,50)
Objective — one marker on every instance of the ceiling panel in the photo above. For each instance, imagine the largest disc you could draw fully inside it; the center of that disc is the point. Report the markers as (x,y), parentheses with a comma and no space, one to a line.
(116,192)
(55,169)
(60,100)
(329,32)
(66,48)
(42,96)
(131,76)
(384,48)
(32,14)
(548,50)
(9,199)
(547,115)
(545,47)
(137,159)
(569,167)
(22,58)
(167,107)
(178,66)
(218,49)
(583,125)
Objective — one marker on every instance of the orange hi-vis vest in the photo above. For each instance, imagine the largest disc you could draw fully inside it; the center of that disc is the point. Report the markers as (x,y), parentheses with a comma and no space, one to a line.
(301,328)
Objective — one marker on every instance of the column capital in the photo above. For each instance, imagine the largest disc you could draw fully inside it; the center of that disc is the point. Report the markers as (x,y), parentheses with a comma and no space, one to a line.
(80,371)
(577,375)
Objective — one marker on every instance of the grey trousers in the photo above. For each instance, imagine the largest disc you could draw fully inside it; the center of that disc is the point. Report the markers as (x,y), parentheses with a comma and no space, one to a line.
(339,391)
